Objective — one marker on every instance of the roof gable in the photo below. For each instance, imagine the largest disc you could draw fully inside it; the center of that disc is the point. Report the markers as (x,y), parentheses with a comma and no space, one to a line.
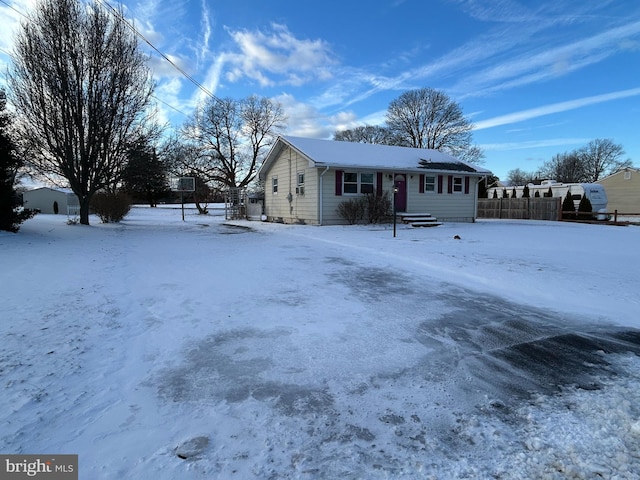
(620,172)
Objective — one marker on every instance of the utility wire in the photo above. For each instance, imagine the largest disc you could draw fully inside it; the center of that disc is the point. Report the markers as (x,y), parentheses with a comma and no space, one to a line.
(8,53)
(14,9)
(119,16)
(170,106)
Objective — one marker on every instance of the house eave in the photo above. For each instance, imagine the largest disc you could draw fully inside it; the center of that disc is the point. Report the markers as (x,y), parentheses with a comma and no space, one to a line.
(387,168)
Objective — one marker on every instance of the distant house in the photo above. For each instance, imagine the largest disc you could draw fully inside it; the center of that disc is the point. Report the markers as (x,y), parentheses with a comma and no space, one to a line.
(623,190)
(306,179)
(52,200)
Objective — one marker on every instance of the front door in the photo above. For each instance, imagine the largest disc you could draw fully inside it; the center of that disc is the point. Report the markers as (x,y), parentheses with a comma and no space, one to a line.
(400,182)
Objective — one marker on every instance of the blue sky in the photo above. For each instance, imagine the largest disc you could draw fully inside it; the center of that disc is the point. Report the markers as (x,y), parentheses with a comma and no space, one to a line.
(535,77)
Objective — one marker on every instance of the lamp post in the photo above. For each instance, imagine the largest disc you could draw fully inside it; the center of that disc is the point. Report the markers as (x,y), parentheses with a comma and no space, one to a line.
(395,192)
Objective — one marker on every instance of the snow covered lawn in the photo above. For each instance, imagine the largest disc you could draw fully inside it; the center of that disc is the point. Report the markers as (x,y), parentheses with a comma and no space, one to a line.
(163,349)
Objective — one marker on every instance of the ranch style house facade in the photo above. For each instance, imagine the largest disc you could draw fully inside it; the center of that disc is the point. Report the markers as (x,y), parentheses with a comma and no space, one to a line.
(305,180)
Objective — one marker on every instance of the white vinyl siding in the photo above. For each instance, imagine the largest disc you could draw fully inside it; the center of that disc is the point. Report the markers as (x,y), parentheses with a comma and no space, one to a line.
(289,205)
(293,208)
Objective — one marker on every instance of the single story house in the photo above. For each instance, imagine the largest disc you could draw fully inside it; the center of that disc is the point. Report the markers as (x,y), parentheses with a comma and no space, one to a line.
(52,200)
(623,190)
(306,179)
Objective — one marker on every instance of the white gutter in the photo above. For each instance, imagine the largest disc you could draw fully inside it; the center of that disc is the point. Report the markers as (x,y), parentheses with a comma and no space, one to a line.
(321,196)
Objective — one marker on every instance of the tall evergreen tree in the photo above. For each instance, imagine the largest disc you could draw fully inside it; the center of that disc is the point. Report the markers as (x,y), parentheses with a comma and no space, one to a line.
(568,206)
(145,176)
(11,215)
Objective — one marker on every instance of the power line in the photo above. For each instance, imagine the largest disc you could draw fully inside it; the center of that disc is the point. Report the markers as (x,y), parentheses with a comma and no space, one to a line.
(14,9)
(119,16)
(170,106)
(8,53)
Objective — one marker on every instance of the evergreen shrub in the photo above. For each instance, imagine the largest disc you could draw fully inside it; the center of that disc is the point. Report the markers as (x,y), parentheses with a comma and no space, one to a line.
(585,208)
(568,207)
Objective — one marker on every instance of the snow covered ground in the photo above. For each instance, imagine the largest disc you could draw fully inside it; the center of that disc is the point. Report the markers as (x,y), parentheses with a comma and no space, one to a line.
(163,349)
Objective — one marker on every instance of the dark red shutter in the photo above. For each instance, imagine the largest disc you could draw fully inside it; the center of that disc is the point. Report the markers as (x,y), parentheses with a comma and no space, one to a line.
(338,183)
(449,184)
(439,183)
(379,184)
(466,185)
(421,186)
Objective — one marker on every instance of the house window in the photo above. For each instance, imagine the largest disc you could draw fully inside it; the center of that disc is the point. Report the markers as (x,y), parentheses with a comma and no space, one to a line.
(366,183)
(274,185)
(358,182)
(350,182)
(457,184)
(300,184)
(429,184)
(627,175)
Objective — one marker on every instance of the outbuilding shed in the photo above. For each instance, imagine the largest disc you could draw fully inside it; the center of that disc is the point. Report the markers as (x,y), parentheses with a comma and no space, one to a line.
(52,200)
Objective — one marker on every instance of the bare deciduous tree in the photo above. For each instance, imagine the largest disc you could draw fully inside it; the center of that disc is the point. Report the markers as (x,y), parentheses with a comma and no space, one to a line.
(601,157)
(81,87)
(366,134)
(564,167)
(588,164)
(428,118)
(229,138)
(519,177)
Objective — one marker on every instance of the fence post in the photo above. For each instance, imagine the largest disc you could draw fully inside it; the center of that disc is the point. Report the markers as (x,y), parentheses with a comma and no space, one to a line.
(615,215)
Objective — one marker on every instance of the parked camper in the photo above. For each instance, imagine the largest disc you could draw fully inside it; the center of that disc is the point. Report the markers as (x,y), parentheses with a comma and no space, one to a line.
(593,191)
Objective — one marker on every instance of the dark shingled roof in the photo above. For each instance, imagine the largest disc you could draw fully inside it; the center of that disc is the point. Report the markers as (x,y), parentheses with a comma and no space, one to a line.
(449,166)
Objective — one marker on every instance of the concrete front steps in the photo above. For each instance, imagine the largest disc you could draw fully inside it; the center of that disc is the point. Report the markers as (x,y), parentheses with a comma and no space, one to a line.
(419,219)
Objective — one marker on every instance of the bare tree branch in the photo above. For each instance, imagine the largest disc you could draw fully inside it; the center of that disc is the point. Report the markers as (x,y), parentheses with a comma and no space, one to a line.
(231,137)
(82,88)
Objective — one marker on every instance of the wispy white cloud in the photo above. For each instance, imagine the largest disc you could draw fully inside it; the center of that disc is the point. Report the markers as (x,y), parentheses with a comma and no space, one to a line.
(205,26)
(554,108)
(12,15)
(495,10)
(278,57)
(525,48)
(303,119)
(550,62)
(532,144)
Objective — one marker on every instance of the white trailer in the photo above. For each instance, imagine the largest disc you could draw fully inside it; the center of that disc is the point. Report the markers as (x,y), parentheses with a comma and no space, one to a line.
(593,191)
